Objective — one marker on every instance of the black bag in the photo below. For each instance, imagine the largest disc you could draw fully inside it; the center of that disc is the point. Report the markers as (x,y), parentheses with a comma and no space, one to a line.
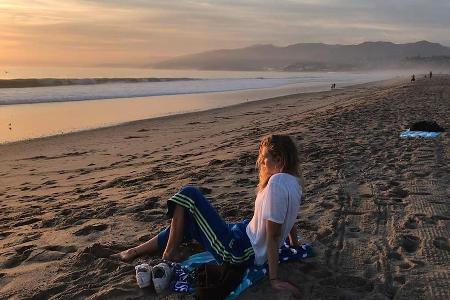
(217,281)
(426,126)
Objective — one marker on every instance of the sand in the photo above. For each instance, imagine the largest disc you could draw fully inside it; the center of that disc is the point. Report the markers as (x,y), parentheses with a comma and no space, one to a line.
(376,207)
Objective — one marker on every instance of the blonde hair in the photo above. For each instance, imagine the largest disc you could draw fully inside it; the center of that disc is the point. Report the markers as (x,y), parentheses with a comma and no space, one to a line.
(284,148)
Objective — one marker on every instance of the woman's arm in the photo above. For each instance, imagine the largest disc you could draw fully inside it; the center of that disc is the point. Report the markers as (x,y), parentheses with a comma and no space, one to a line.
(293,236)
(273,231)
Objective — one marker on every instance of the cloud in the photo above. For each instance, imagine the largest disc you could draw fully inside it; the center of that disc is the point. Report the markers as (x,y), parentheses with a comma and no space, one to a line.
(282,21)
(137,30)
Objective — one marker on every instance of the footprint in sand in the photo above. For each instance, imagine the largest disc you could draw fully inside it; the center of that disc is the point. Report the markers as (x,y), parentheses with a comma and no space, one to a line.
(99,251)
(243,182)
(406,265)
(148,215)
(306,225)
(106,211)
(400,279)
(134,137)
(27,221)
(397,192)
(5,234)
(442,243)
(91,229)
(327,204)
(147,204)
(92,264)
(50,182)
(13,260)
(92,195)
(145,237)
(352,232)
(84,172)
(30,237)
(215,162)
(408,242)
(394,255)
(440,217)
(50,253)
(205,190)
(17,257)
(411,222)
(61,248)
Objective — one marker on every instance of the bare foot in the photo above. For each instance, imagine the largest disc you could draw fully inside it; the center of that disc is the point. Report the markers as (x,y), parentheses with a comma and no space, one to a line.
(126,255)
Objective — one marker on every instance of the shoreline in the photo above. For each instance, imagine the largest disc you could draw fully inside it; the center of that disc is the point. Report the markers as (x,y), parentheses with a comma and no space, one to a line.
(175,115)
(124,90)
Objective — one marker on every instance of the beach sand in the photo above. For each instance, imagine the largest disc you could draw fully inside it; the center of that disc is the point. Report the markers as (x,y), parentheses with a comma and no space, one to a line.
(376,207)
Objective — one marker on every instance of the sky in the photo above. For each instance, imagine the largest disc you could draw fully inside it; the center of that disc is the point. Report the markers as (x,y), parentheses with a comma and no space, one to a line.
(140,32)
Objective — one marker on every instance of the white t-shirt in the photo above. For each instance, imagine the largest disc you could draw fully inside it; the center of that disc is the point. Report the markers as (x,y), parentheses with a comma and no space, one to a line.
(278,202)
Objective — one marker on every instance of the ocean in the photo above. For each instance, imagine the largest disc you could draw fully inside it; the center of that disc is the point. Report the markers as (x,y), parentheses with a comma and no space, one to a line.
(74,99)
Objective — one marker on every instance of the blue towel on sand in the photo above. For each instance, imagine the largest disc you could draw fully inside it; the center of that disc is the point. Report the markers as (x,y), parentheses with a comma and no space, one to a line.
(198,259)
(425,134)
(184,272)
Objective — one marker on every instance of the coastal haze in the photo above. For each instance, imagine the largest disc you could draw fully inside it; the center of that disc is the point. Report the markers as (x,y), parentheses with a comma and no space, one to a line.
(320,57)
(108,107)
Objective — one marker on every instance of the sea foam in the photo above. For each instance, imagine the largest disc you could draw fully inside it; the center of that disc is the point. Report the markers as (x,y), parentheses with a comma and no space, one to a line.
(91,89)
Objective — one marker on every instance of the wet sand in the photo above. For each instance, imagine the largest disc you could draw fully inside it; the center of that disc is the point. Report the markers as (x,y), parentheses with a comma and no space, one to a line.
(376,207)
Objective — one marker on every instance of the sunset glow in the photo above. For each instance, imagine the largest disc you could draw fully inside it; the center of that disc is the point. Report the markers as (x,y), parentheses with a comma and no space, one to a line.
(137,33)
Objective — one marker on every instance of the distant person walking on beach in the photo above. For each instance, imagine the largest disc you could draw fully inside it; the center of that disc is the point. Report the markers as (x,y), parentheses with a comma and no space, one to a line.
(256,241)
(413,78)
(431,74)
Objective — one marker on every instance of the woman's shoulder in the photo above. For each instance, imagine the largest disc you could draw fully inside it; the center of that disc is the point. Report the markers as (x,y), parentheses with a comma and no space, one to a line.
(283,178)
(285,184)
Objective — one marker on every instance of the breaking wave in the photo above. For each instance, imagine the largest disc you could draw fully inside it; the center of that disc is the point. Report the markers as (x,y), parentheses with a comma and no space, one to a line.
(60,90)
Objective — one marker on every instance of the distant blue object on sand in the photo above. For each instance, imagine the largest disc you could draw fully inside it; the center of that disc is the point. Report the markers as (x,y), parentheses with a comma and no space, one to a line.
(412,134)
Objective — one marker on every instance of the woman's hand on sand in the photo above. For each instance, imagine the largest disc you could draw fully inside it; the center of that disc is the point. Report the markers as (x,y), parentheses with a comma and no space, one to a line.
(285,286)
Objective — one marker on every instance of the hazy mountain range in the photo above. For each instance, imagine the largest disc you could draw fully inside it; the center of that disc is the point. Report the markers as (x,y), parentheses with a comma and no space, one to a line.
(317,57)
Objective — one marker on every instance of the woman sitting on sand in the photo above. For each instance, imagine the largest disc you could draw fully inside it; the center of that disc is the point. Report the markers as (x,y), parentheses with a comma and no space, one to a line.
(276,207)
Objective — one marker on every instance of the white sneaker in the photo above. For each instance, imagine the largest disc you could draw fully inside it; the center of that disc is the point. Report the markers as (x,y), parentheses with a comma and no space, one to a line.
(143,275)
(161,275)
